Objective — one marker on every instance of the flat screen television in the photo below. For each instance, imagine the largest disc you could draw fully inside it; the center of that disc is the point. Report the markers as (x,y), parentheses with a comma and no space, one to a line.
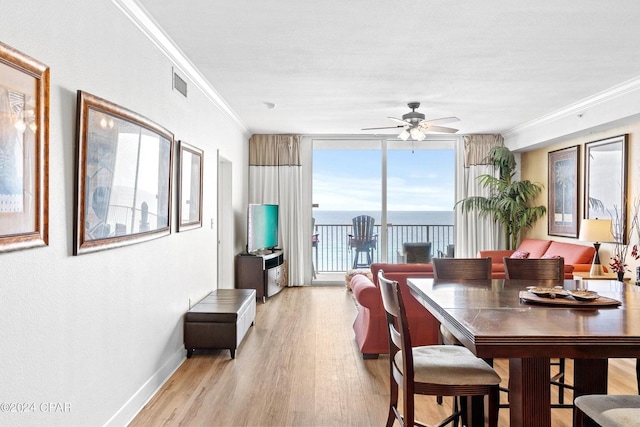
(262,227)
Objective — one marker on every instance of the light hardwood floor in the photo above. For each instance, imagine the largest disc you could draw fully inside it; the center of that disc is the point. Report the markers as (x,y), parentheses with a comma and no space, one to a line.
(299,365)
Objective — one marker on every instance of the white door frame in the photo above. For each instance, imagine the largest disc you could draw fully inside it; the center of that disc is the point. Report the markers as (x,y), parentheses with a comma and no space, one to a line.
(225,224)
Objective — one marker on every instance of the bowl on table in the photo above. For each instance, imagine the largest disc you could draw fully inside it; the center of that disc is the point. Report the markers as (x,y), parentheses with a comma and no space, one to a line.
(584,295)
(555,292)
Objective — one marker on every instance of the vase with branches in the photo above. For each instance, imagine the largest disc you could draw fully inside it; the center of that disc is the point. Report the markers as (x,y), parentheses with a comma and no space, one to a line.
(509,202)
(622,238)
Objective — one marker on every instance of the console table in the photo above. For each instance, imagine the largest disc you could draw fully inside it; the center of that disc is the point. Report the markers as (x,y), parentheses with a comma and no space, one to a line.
(266,273)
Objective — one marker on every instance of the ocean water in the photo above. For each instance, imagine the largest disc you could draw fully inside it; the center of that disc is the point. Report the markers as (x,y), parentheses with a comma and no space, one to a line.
(393,217)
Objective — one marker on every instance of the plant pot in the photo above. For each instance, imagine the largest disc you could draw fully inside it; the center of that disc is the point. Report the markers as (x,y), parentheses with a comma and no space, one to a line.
(620,275)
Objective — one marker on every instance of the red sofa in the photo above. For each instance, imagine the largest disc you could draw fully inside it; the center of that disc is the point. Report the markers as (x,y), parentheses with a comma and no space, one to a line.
(370,325)
(576,257)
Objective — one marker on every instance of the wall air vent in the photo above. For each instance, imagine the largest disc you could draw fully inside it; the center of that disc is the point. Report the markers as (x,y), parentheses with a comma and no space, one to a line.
(179,84)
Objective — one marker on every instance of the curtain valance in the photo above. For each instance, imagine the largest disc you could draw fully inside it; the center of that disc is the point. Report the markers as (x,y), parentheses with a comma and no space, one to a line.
(274,150)
(476,148)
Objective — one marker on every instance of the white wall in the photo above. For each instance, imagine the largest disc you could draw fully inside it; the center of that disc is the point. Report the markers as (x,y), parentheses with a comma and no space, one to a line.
(98,333)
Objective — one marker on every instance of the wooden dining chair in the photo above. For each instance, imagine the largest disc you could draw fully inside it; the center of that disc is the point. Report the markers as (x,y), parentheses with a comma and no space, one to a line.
(437,370)
(607,410)
(551,270)
(461,268)
(534,268)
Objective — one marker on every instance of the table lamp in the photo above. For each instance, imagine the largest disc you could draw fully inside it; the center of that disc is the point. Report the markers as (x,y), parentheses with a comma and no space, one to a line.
(596,231)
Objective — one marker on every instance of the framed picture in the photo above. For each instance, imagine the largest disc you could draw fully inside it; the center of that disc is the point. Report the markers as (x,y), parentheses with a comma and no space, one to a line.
(123,186)
(190,187)
(24,151)
(606,182)
(563,192)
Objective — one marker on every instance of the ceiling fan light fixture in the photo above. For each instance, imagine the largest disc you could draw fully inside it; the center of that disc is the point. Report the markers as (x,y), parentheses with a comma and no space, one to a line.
(417,134)
(415,126)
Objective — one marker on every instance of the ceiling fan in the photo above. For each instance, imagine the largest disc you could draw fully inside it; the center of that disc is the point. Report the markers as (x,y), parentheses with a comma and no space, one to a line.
(414,124)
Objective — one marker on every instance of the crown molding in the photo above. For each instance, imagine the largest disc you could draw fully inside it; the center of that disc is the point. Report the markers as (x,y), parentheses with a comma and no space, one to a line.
(139,16)
(629,87)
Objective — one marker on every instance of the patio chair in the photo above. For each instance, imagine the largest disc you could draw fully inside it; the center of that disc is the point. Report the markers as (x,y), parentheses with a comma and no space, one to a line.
(417,252)
(363,240)
(449,253)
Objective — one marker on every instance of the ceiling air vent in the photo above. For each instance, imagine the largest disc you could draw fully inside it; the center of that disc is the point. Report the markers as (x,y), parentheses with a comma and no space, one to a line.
(179,84)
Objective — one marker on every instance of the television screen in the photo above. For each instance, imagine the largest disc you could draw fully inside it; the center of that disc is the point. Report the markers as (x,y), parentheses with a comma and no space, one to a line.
(262,227)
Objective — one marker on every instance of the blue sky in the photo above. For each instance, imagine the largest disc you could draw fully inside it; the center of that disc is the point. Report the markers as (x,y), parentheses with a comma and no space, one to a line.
(351,180)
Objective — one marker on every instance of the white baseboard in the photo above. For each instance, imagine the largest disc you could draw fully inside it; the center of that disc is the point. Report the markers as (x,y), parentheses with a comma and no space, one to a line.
(129,410)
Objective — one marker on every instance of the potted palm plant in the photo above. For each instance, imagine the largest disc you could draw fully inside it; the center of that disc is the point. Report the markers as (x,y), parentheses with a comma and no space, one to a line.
(509,201)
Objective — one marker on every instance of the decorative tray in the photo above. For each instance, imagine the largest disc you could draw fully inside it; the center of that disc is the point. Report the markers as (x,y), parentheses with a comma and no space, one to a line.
(567,300)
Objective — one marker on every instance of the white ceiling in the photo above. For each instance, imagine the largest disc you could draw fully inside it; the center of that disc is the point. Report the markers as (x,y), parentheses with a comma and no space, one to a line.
(336,66)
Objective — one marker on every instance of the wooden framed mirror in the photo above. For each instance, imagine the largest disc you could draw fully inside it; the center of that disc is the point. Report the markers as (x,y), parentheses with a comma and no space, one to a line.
(606,182)
(123,186)
(24,151)
(190,187)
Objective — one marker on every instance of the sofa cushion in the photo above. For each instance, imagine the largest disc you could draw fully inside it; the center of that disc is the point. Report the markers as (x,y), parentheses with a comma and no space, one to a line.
(572,253)
(520,254)
(535,247)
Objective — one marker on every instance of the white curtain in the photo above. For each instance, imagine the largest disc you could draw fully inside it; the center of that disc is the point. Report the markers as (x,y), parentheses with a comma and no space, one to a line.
(474,233)
(275,176)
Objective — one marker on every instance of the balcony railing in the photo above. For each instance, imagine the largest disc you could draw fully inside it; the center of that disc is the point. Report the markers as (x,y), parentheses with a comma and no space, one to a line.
(332,253)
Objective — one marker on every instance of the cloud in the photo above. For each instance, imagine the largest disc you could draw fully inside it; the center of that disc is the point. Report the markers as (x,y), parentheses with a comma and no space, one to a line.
(334,192)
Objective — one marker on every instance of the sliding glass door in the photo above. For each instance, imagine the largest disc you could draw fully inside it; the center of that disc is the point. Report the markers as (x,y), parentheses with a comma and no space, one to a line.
(420,194)
(347,183)
(406,187)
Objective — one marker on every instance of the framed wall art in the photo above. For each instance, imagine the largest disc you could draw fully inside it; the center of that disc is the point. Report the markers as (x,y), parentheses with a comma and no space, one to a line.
(124,169)
(605,185)
(24,151)
(563,193)
(190,187)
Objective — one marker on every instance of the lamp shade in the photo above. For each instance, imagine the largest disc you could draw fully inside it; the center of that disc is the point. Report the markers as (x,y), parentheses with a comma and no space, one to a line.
(596,230)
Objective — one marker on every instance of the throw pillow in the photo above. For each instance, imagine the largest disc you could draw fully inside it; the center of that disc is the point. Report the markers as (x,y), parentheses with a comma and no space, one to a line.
(520,254)
(550,256)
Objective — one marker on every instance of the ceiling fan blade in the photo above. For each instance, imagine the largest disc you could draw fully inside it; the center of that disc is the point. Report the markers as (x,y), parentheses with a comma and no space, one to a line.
(398,120)
(442,121)
(438,129)
(387,127)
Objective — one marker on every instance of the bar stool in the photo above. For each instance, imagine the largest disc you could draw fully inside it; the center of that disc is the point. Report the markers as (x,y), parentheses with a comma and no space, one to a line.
(436,370)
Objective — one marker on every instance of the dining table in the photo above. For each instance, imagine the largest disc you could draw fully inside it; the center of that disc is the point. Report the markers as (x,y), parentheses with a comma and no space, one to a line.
(503,318)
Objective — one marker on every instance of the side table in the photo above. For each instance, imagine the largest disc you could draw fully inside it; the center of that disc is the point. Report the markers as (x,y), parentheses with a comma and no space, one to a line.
(577,275)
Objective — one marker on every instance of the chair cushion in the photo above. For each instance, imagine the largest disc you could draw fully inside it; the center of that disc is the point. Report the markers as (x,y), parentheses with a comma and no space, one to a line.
(611,410)
(449,365)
